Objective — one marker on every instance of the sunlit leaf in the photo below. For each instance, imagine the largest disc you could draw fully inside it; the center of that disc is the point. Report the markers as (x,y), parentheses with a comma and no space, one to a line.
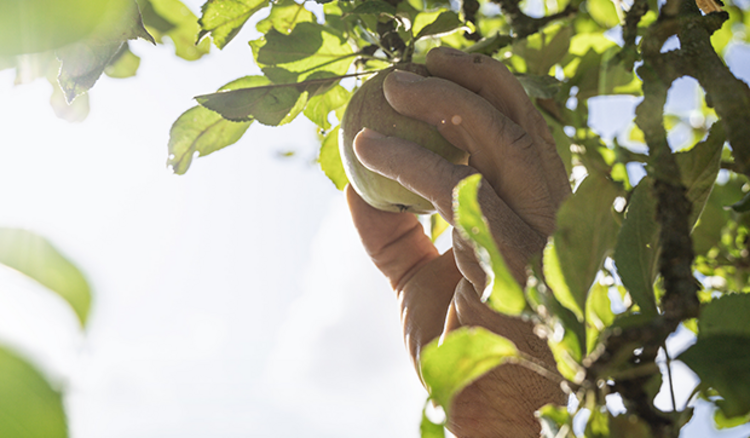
(581,43)
(309,49)
(269,104)
(603,12)
(73,112)
(183,30)
(284,16)
(428,429)
(544,49)
(29,406)
(586,230)
(598,314)
(568,356)
(37,258)
(438,226)
(223,19)
(330,159)
(598,424)
(202,131)
(319,107)
(40,25)
(84,61)
(463,357)
(505,294)
(123,65)
(556,421)
(722,422)
(445,22)
(376,7)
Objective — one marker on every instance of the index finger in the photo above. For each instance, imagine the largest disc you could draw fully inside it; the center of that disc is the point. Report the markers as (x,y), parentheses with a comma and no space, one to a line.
(493,81)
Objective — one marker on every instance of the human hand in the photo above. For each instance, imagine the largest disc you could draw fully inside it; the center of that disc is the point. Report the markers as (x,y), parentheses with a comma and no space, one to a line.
(479,106)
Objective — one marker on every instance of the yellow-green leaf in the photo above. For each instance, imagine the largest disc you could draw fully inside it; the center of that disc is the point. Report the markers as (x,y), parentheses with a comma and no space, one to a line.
(330,160)
(505,294)
(29,406)
(463,357)
(37,258)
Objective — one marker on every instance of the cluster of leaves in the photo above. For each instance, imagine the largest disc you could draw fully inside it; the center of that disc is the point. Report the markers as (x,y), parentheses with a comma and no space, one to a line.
(610,241)
(73,60)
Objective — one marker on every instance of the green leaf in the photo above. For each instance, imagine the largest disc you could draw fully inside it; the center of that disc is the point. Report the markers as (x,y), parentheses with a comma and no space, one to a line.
(438,226)
(40,25)
(29,406)
(74,112)
(83,62)
(310,48)
(542,87)
(223,19)
(629,426)
(586,230)
(743,205)
(636,252)
(202,131)
(637,249)
(581,43)
(330,160)
(544,49)
(34,256)
(284,16)
(490,45)
(376,7)
(567,354)
(723,363)
(270,104)
(554,419)
(598,424)
(463,357)
(505,294)
(319,107)
(603,12)
(183,28)
(727,315)
(428,429)
(722,422)
(599,314)
(445,22)
(123,65)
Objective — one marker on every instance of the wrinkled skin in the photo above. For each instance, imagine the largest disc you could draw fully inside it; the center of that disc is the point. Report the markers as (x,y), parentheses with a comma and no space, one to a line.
(524,182)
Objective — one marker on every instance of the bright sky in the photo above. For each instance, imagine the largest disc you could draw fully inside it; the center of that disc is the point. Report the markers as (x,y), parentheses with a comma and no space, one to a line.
(233,301)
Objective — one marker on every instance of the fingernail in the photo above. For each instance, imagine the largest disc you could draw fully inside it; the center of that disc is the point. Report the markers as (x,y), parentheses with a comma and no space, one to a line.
(370,133)
(405,76)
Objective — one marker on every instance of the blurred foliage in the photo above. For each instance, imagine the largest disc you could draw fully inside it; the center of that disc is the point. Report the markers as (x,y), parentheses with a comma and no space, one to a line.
(30,407)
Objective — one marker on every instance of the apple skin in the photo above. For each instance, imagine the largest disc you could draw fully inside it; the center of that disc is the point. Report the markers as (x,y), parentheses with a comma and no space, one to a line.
(368,108)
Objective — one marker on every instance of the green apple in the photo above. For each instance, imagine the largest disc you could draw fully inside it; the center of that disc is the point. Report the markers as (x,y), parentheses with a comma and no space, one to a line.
(368,108)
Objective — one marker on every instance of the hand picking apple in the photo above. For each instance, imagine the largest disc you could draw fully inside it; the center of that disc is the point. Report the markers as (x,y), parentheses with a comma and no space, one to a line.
(478,106)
